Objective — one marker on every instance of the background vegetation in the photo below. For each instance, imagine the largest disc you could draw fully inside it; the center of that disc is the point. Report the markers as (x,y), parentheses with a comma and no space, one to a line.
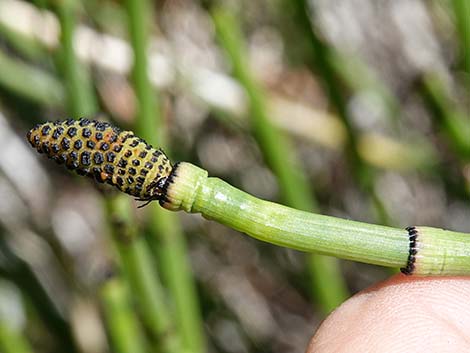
(353,108)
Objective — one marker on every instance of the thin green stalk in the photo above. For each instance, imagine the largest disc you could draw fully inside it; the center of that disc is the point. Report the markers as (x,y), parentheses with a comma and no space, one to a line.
(319,59)
(141,272)
(455,126)
(29,47)
(171,245)
(274,146)
(135,255)
(453,121)
(81,98)
(410,152)
(12,341)
(139,20)
(121,320)
(327,283)
(462,16)
(123,327)
(30,82)
(359,77)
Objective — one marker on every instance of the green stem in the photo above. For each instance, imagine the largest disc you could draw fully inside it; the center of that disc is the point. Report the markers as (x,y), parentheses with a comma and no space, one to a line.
(81,98)
(320,60)
(170,245)
(328,286)
(135,254)
(274,146)
(122,323)
(149,117)
(417,250)
(28,47)
(462,19)
(170,242)
(453,121)
(140,268)
(12,341)
(123,327)
(30,82)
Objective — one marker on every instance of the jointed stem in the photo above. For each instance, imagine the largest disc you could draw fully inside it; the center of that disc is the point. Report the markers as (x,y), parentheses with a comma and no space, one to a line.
(417,250)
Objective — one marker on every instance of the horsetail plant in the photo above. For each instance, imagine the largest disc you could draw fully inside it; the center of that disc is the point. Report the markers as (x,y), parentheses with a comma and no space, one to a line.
(123,326)
(135,256)
(120,158)
(327,284)
(167,240)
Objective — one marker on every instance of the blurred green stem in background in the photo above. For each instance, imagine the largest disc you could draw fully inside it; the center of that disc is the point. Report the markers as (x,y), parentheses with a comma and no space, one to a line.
(169,239)
(30,82)
(12,341)
(141,271)
(327,284)
(455,125)
(28,47)
(386,152)
(320,60)
(140,20)
(80,92)
(462,19)
(454,122)
(360,78)
(123,327)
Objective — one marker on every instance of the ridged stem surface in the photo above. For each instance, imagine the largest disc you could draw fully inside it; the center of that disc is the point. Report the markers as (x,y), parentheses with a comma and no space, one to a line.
(425,250)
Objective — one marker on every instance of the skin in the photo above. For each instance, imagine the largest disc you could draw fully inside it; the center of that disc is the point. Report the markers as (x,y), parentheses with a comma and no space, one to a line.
(402,314)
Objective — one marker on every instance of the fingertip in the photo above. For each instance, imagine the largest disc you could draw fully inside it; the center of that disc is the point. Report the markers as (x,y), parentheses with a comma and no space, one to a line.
(401,314)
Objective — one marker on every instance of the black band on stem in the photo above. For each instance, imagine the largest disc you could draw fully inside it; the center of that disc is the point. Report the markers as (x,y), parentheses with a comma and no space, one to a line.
(169,180)
(413,250)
